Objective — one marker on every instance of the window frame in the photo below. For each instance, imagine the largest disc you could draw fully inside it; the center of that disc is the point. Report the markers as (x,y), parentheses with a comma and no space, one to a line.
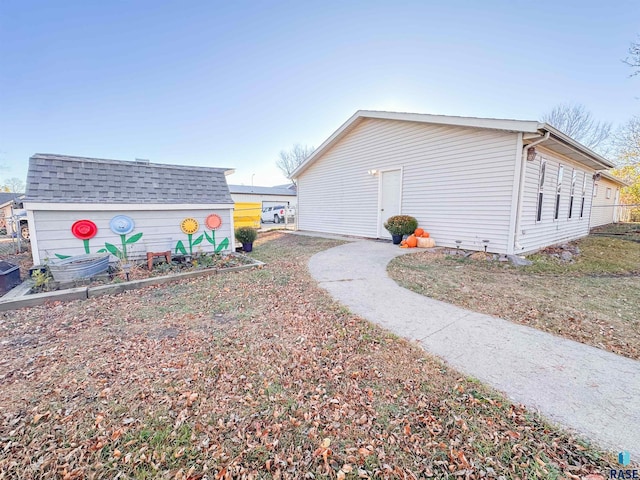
(541,179)
(556,211)
(584,193)
(574,177)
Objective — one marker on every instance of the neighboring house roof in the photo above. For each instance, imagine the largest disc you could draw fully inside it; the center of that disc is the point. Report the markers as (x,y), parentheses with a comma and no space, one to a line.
(248,189)
(533,130)
(8,197)
(289,186)
(614,179)
(67,179)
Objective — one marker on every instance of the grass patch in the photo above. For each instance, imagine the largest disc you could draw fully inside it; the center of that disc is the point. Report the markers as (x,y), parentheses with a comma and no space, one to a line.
(592,299)
(234,376)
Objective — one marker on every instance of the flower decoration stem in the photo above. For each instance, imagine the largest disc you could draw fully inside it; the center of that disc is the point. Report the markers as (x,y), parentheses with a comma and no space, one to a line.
(189,226)
(122,225)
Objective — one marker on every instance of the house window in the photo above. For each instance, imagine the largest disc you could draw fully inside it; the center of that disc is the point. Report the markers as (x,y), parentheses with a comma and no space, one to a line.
(608,193)
(543,169)
(595,189)
(558,191)
(584,193)
(574,175)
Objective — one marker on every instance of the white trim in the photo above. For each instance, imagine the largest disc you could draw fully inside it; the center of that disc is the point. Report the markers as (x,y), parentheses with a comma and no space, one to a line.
(108,207)
(33,238)
(233,231)
(518,181)
(379,217)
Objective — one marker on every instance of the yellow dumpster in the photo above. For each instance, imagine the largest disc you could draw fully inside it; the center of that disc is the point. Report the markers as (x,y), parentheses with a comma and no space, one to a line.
(247,214)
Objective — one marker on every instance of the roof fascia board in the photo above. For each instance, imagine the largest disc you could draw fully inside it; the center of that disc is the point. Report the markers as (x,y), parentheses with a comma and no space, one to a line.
(576,146)
(111,207)
(524,126)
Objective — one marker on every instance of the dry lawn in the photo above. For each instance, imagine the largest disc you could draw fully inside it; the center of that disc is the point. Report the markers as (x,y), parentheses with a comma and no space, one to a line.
(594,299)
(255,374)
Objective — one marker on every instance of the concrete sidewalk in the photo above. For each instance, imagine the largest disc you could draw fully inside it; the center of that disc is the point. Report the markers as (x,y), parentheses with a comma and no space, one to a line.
(591,391)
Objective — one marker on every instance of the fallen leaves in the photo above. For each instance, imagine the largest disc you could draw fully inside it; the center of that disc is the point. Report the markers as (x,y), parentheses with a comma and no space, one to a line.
(234,384)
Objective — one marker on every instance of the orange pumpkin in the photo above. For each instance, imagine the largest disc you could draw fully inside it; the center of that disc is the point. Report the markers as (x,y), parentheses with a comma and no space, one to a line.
(412,241)
(425,234)
(418,232)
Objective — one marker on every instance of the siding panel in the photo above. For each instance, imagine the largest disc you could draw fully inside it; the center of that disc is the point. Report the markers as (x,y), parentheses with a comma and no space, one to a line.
(457,182)
(534,234)
(160,229)
(603,210)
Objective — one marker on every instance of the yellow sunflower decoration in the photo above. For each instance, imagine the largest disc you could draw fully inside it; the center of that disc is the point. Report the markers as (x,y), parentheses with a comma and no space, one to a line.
(189,225)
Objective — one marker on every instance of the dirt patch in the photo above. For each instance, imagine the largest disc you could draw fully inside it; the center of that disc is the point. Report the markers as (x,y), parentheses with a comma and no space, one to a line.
(255,374)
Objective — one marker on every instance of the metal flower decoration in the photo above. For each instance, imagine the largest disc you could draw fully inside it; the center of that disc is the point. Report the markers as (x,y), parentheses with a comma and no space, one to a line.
(189,226)
(214,221)
(84,230)
(121,224)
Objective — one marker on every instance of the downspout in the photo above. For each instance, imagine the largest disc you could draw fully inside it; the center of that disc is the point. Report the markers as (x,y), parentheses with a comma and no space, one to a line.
(525,151)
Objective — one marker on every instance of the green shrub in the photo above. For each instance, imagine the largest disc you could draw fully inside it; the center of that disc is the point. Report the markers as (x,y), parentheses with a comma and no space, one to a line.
(401,225)
(246,234)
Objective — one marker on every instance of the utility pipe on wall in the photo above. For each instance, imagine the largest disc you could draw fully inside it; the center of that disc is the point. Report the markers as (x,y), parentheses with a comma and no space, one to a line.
(525,151)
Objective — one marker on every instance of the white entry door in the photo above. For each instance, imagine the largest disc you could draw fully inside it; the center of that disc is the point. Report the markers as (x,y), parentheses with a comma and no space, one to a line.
(389,193)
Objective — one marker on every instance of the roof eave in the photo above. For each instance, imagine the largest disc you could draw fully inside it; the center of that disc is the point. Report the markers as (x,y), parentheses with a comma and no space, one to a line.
(587,156)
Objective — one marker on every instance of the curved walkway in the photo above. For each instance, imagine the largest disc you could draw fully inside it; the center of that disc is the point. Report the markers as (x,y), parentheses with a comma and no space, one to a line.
(593,392)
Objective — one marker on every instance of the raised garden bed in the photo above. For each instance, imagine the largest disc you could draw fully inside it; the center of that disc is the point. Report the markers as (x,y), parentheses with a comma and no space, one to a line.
(120,277)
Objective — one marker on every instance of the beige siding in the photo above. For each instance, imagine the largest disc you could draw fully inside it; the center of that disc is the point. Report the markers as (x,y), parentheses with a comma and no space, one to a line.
(603,211)
(535,234)
(458,182)
(270,199)
(160,228)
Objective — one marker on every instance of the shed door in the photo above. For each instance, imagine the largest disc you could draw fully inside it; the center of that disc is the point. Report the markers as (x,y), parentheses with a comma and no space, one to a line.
(389,199)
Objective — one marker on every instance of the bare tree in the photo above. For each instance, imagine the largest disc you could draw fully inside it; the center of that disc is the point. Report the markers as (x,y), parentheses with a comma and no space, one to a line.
(627,142)
(633,60)
(291,159)
(14,185)
(577,122)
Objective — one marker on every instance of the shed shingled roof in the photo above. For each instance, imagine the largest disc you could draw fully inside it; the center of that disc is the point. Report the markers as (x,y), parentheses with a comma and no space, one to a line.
(68,179)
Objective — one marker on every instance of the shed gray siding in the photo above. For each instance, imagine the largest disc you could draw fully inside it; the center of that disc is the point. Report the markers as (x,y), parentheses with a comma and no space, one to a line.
(160,229)
(457,181)
(535,234)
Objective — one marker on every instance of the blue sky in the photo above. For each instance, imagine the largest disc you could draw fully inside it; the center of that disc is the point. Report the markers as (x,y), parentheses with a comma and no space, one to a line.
(230,84)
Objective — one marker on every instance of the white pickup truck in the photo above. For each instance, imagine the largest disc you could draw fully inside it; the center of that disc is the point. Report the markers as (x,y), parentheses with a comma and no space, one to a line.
(278,214)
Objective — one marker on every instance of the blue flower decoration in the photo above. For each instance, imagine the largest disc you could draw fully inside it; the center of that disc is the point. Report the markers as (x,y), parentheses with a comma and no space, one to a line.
(121,224)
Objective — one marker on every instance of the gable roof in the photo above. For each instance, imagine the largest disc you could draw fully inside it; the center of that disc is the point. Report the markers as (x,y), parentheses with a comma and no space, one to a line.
(8,197)
(557,140)
(68,179)
(261,190)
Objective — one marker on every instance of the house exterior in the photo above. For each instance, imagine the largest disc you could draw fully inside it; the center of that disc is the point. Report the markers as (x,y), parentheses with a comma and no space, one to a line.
(606,207)
(508,185)
(7,200)
(78,205)
(266,196)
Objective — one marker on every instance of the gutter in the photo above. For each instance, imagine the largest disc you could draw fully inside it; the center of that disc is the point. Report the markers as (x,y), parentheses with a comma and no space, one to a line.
(523,169)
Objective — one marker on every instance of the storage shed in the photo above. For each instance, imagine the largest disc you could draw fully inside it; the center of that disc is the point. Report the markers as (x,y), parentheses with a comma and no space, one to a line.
(606,200)
(78,205)
(510,185)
